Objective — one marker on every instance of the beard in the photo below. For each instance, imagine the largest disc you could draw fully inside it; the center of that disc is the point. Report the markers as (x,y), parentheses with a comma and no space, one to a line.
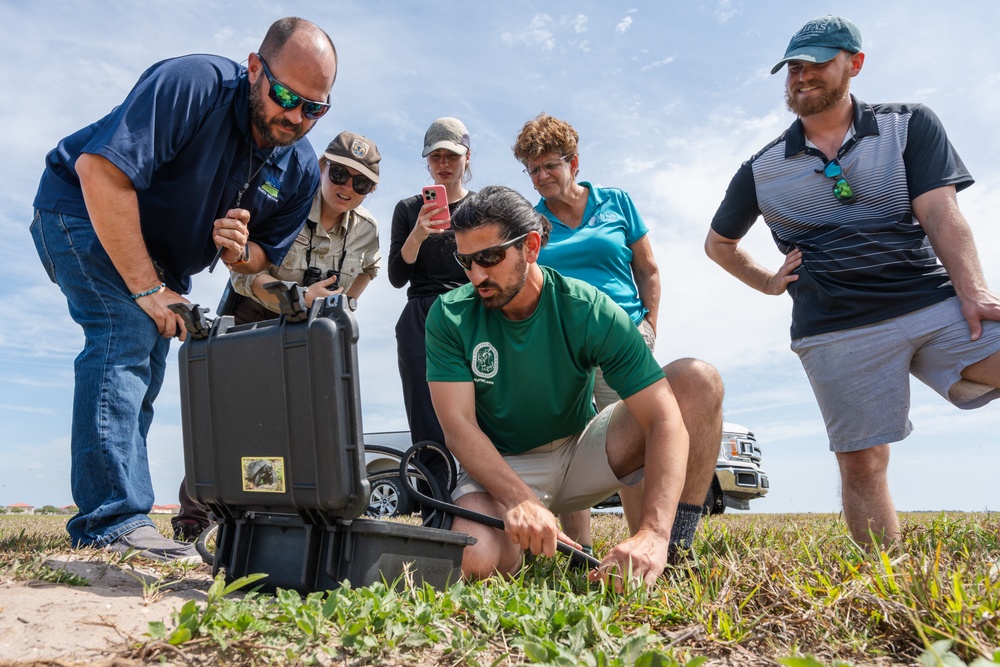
(503,296)
(826,100)
(265,127)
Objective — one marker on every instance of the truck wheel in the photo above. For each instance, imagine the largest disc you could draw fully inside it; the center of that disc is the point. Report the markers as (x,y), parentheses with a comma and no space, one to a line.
(714,503)
(388,497)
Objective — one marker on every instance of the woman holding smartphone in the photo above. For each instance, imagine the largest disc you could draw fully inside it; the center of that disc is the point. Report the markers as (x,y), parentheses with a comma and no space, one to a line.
(421,254)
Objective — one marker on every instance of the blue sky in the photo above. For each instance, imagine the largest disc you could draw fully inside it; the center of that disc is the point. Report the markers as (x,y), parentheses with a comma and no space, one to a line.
(668,98)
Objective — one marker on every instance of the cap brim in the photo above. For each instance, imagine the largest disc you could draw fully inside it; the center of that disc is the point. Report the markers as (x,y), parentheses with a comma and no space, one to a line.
(365,171)
(809,54)
(459,149)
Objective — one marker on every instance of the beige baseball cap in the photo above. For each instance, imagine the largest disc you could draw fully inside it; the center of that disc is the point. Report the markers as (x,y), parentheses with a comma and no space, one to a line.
(447,133)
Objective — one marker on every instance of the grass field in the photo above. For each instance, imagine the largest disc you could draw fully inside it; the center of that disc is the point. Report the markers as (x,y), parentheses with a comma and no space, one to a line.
(760,590)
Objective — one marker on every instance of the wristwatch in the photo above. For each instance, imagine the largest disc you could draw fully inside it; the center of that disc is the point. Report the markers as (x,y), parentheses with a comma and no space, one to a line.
(244,258)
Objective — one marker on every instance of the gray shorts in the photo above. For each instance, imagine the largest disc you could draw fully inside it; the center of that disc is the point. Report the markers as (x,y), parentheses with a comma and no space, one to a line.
(861,376)
(568,474)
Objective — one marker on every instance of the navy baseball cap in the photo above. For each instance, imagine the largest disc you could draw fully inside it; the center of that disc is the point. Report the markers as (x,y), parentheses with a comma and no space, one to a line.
(821,40)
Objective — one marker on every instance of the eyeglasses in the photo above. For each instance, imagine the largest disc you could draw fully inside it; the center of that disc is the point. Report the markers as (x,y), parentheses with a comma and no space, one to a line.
(841,189)
(339,175)
(486,257)
(549,167)
(287,99)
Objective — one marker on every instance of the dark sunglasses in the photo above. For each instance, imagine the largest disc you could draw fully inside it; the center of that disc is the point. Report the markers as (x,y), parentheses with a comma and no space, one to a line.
(486,257)
(841,189)
(286,98)
(339,175)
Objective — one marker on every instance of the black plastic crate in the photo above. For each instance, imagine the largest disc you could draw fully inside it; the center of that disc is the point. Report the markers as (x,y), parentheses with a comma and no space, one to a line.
(308,557)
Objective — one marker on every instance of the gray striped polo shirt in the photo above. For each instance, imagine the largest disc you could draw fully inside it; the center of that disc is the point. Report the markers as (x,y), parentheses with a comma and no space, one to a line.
(864,261)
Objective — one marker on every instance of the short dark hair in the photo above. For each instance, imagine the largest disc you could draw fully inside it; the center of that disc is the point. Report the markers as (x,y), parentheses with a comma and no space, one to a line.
(504,207)
(280,32)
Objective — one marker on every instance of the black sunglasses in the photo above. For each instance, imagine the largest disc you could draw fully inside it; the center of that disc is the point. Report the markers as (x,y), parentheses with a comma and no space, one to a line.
(842,190)
(339,175)
(486,257)
(286,98)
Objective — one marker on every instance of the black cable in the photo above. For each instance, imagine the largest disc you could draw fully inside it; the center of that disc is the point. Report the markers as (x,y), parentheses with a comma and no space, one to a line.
(446,505)
(201,544)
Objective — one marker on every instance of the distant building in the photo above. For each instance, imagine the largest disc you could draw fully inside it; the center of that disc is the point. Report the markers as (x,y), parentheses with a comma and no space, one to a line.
(165,509)
(21,508)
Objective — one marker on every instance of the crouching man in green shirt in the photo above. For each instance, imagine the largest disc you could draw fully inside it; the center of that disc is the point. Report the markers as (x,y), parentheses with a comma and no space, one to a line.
(510,362)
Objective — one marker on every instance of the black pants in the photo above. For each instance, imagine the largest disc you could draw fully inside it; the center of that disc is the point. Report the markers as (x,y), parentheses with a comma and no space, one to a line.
(412,358)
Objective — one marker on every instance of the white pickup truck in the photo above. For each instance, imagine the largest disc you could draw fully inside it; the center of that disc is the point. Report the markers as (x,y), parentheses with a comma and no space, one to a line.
(738,475)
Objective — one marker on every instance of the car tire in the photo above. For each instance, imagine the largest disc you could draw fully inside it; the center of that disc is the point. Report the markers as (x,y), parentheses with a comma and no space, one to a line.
(714,502)
(388,497)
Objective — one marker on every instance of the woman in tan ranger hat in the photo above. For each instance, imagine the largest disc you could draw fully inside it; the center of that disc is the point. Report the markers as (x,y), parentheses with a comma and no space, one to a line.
(421,255)
(336,252)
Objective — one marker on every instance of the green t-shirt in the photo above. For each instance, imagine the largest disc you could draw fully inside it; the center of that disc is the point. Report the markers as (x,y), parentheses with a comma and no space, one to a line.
(534,378)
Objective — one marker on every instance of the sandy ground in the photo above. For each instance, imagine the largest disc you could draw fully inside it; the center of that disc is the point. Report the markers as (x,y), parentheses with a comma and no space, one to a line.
(58,624)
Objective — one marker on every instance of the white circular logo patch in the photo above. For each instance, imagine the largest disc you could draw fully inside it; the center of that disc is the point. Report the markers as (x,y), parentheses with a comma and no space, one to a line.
(485,361)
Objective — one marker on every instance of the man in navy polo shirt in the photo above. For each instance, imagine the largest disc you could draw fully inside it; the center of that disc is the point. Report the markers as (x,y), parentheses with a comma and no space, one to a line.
(204,156)
(880,263)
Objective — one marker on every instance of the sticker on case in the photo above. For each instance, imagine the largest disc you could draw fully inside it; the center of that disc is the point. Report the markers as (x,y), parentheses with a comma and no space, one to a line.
(263,474)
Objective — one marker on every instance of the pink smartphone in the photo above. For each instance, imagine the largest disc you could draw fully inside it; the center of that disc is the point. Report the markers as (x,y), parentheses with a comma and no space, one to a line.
(436,194)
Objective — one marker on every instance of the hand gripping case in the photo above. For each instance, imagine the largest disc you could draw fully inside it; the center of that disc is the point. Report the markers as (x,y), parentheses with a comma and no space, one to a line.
(271,415)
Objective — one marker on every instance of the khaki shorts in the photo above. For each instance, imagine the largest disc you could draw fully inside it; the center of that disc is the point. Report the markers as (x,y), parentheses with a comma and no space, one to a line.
(604,395)
(568,474)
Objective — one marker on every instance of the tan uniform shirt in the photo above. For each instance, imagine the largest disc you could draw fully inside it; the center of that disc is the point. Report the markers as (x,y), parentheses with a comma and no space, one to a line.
(358,230)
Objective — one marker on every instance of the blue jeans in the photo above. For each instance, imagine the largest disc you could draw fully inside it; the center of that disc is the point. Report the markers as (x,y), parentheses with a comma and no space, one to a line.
(118,375)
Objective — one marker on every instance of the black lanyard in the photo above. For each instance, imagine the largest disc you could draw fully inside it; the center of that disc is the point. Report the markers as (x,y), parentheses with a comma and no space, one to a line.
(251,174)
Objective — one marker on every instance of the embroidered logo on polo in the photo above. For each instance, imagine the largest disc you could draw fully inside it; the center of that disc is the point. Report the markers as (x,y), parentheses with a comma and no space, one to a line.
(602,216)
(359,148)
(270,187)
(485,361)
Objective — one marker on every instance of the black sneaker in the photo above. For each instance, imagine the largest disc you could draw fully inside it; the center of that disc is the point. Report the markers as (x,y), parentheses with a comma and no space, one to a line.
(185,531)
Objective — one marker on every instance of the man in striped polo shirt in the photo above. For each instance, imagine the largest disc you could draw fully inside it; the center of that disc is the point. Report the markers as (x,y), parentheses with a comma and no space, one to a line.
(880,263)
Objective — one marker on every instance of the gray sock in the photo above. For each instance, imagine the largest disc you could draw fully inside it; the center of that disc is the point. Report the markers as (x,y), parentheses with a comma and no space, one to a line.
(685,524)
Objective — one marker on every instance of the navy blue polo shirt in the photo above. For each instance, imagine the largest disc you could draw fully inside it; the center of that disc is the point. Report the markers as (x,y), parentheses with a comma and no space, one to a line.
(183,138)
(865,261)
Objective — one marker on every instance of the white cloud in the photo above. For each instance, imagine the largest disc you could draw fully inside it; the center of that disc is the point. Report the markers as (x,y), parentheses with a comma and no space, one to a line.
(658,63)
(579,23)
(537,33)
(26,408)
(623,25)
(725,10)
